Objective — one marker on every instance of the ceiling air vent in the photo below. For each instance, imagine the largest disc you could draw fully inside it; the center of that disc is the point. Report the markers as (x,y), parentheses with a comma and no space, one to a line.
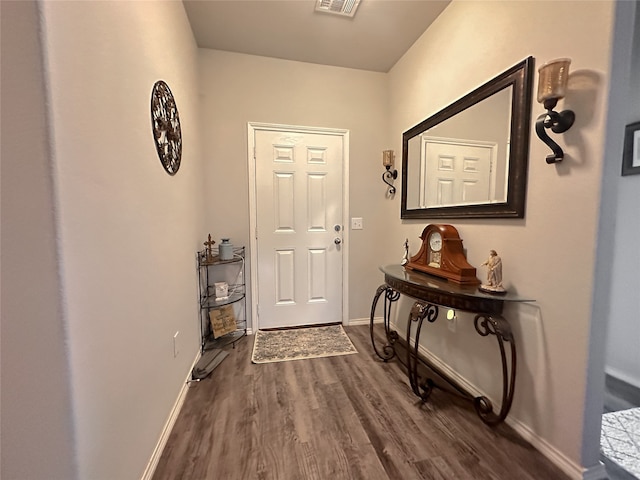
(345,8)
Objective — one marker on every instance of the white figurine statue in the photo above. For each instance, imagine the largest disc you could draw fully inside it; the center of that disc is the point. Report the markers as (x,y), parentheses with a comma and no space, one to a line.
(405,258)
(494,274)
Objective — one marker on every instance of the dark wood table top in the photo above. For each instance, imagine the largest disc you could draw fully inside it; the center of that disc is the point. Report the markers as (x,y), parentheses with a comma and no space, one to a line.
(440,291)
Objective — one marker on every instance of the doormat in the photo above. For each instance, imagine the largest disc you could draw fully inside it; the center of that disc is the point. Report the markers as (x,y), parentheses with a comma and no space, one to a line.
(299,343)
(620,439)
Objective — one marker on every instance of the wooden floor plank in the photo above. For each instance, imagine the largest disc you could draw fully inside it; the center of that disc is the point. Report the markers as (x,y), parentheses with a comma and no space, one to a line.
(346,417)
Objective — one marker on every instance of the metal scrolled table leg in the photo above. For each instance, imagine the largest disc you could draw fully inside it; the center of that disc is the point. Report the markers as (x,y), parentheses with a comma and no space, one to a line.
(390,296)
(419,312)
(496,325)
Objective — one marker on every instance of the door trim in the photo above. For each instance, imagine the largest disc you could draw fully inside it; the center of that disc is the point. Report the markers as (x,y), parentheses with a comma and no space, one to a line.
(252,128)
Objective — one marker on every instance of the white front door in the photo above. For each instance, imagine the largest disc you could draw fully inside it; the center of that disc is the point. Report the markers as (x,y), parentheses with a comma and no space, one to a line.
(299,227)
(457,172)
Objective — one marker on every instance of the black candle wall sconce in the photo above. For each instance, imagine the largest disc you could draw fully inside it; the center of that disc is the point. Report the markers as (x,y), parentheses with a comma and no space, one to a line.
(552,86)
(388,159)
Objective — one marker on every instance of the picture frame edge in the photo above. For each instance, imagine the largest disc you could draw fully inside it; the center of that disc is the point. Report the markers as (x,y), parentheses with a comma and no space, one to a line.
(628,148)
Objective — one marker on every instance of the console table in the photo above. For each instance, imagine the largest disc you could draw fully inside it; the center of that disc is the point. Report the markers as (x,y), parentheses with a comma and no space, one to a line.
(429,293)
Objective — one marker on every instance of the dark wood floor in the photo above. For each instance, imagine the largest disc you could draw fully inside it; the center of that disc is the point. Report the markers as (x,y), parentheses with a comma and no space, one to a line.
(347,417)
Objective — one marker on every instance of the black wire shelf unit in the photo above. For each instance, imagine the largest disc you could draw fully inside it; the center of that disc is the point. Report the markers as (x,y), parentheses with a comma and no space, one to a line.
(212,269)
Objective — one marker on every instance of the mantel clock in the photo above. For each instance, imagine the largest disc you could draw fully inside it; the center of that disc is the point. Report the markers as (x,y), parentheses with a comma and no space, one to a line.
(442,255)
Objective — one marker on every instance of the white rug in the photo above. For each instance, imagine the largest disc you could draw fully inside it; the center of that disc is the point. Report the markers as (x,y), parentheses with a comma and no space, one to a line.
(620,439)
(300,343)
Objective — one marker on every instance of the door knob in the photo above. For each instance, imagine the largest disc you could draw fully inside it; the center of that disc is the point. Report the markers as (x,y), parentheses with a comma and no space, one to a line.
(337,241)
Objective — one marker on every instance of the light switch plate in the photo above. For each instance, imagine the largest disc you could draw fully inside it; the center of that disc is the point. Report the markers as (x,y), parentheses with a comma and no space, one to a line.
(356,223)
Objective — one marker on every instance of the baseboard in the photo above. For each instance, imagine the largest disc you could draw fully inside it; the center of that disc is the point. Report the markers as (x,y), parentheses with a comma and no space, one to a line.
(621,389)
(363,321)
(597,472)
(559,459)
(617,375)
(448,371)
(168,426)
(572,469)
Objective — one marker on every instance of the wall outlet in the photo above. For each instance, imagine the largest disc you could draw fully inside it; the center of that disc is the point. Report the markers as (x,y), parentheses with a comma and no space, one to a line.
(356,223)
(176,350)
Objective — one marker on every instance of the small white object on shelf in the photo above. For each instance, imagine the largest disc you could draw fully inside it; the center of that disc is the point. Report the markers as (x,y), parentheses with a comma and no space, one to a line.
(222,290)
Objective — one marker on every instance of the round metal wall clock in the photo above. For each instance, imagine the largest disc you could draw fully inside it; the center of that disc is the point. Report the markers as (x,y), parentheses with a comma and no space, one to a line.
(165,123)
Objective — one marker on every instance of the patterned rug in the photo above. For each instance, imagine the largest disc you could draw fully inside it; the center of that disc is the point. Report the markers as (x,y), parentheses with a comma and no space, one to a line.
(620,439)
(300,343)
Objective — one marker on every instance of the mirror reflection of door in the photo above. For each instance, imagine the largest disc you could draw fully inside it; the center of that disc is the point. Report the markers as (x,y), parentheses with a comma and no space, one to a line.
(457,172)
(470,133)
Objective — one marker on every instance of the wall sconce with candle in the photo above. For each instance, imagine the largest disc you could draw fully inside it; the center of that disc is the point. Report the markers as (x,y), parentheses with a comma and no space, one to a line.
(388,160)
(552,86)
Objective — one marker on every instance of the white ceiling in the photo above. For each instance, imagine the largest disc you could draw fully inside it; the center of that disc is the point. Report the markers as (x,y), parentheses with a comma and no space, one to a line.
(374,39)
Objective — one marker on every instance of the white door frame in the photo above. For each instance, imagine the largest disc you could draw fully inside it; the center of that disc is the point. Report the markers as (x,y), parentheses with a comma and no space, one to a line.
(252,128)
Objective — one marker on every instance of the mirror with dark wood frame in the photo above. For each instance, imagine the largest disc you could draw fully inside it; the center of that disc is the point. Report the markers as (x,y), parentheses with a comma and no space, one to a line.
(470,159)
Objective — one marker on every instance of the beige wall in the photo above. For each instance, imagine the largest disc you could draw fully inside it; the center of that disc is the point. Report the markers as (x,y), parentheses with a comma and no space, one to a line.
(549,255)
(37,433)
(128,231)
(237,89)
